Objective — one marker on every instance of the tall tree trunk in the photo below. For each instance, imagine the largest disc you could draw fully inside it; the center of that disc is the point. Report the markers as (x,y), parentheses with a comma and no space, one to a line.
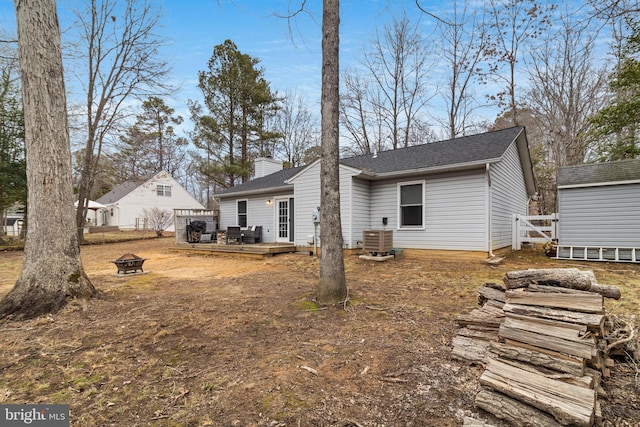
(52,269)
(332,287)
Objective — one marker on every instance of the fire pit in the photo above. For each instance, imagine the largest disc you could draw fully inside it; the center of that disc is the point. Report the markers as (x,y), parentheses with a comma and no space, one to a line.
(129,263)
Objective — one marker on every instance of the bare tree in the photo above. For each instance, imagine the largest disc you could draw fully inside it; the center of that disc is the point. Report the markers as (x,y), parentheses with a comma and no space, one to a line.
(158,219)
(514,24)
(332,286)
(120,52)
(566,89)
(52,270)
(613,10)
(387,102)
(463,37)
(361,115)
(297,127)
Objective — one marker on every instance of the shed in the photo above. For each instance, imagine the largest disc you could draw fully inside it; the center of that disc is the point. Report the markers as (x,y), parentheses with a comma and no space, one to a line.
(598,206)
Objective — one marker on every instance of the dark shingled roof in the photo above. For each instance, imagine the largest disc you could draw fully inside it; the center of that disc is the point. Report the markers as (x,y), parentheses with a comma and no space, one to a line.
(274,180)
(598,173)
(459,151)
(466,149)
(121,190)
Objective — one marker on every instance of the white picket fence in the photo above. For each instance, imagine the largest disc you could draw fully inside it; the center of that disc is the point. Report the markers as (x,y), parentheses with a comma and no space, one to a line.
(533,229)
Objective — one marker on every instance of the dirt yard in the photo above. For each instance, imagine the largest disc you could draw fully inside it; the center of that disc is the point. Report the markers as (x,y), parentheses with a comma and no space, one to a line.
(228,341)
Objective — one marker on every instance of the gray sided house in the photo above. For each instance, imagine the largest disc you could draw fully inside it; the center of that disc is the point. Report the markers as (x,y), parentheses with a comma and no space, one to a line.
(598,206)
(458,194)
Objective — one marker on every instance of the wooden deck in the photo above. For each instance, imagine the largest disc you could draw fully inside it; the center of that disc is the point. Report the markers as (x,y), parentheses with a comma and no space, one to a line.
(259,250)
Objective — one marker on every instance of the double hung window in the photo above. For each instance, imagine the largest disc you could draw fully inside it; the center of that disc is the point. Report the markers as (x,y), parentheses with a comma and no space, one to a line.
(411,204)
(242,213)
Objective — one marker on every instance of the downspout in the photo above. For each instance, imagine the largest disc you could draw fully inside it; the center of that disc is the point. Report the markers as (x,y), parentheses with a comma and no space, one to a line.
(489,213)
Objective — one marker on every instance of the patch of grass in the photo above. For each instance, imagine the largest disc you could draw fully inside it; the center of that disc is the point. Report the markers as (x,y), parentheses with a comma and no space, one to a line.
(208,388)
(267,401)
(142,282)
(83,382)
(60,397)
(307,306)
(41,387)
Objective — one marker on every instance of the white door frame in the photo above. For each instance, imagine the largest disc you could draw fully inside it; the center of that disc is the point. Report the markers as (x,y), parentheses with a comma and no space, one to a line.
(282,222)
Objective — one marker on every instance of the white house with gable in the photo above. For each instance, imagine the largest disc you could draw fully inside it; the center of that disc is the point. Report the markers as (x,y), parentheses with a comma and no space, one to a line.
(126,203)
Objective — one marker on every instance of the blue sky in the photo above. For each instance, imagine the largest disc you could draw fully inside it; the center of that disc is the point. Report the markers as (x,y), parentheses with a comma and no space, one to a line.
(289,51)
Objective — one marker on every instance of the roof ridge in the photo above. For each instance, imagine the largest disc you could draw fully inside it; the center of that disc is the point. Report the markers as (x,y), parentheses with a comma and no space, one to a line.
(449,140)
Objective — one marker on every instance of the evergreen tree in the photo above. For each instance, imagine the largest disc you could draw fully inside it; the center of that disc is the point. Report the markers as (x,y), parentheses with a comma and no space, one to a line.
(615,127)
(237,97)
(13,168)
(151,144)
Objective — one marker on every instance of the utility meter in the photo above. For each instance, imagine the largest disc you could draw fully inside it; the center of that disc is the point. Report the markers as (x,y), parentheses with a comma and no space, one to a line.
(315,216)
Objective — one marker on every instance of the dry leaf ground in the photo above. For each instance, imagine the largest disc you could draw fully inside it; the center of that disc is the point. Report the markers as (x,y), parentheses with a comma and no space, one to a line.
(230,341)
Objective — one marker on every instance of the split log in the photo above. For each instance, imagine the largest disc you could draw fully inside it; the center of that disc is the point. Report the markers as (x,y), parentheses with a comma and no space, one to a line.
(486,293)
(584,381)
(588,302)
(568,364)
(570,331)
(568,404)
(571,278)
(494,285)
(487,334)
(560,342)
(555,289)
(485,316)
(513,411)
(494,304)
(470,349)
(590,320)
(471,422)
(604,290)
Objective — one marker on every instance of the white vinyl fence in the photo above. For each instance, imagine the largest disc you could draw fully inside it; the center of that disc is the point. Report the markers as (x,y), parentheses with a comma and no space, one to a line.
(534,229)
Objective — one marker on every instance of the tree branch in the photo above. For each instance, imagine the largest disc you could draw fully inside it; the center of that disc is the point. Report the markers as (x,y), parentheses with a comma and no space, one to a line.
(426,12)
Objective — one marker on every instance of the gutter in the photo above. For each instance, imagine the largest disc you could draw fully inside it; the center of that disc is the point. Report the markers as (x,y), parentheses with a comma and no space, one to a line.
(252,192)
(599,184)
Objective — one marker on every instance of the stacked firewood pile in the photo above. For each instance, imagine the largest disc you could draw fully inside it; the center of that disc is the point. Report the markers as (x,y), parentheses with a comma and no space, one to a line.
(545,341)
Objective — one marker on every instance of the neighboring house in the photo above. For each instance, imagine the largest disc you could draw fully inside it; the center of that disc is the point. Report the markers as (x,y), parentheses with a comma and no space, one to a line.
(599,207)
(458,194)
(13,222)
(126,203)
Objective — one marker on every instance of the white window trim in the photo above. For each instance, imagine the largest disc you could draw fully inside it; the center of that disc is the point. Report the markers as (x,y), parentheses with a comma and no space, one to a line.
(399,225)
(238,213)
(164,190)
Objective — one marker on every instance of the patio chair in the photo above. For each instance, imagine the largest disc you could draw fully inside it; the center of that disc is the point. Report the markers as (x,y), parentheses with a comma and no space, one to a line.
(253,234)
(234,234)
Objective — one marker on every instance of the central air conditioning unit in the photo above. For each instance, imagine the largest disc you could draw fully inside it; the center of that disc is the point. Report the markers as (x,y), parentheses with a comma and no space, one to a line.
(378,242)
